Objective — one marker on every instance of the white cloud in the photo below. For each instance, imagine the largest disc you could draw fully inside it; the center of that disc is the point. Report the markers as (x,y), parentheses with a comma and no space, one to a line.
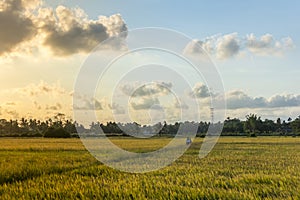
(198,47)
(228,46)
(267,45)
(231,45)
(200,91)
(239,99)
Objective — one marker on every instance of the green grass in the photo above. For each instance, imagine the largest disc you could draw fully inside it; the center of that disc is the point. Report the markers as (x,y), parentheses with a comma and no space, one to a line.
(237,168)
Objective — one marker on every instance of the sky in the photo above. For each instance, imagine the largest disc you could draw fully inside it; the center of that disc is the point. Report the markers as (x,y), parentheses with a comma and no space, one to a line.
(45,44)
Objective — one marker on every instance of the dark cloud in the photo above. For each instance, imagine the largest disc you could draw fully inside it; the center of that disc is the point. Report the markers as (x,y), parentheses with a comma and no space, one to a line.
(239,99)
(155,88)
(69,31)
(64,30)
(15,26)
(284,101)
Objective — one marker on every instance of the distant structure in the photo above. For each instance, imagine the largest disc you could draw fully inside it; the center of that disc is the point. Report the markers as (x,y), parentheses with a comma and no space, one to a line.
(212,115)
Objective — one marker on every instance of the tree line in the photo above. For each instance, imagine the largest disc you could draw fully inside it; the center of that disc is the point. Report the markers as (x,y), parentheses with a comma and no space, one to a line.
(59,127)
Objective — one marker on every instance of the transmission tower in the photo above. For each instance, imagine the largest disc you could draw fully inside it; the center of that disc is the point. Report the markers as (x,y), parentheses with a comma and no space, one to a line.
(212,115)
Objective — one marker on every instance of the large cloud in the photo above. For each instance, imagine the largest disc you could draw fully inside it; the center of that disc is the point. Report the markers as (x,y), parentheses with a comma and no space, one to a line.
(284,100)
(69,31)
(239,99)
(16,26)
(267,45)
(228,46)
(65,31)
(200,91)
(155,88)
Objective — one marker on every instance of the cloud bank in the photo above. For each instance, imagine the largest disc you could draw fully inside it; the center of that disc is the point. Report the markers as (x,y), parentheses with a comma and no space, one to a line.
(230,45)
(239,99)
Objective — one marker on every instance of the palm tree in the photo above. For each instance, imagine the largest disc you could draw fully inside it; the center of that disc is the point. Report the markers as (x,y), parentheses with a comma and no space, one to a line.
(252,123)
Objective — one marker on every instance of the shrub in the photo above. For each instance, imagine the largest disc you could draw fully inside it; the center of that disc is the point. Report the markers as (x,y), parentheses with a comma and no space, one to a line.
(252,135)
(56,133)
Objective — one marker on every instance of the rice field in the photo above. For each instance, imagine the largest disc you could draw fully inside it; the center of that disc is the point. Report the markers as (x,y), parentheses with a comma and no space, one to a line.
(237,168)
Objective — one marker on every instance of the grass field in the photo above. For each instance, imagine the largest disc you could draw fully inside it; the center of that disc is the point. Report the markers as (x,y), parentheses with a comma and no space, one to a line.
(237,168)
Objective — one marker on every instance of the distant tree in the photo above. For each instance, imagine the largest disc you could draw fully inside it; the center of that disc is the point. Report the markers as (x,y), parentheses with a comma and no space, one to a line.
(296,125)
(268,126)
(53,132)
(233,126)
(252,123)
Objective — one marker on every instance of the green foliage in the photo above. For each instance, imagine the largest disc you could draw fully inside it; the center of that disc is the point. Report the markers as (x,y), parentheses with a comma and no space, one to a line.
(296,125)
(56,133)
(253,123)
(232,127)
(237,168)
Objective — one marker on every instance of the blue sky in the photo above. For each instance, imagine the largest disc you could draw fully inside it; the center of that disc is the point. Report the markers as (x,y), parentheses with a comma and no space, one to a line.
(202,18)
(255,46)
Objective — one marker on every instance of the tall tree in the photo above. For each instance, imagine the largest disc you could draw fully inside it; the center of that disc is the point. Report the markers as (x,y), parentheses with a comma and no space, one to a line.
(252,123)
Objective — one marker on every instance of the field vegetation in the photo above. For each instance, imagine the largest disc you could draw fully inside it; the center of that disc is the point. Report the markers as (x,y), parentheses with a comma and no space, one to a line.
(237,168)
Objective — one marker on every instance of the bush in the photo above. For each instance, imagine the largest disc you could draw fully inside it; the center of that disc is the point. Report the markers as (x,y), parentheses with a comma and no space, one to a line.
(56,133)
(31,135)
(252,135)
